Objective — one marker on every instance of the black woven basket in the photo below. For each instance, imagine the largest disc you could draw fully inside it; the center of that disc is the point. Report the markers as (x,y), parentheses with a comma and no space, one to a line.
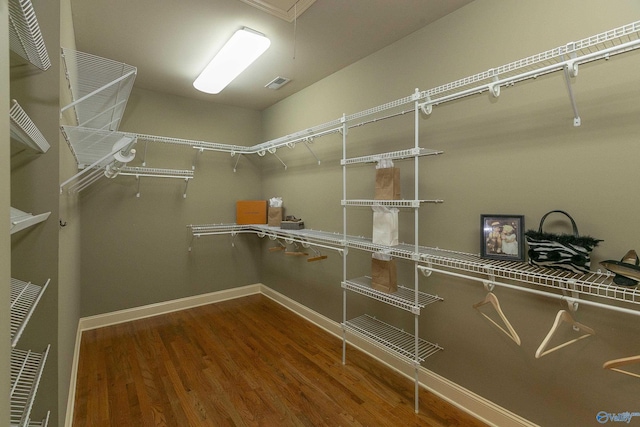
(570,252)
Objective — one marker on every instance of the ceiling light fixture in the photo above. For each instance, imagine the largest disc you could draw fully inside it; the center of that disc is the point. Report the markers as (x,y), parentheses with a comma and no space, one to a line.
(244,47)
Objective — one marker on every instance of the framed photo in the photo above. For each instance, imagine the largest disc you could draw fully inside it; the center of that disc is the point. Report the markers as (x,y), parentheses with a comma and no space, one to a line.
(502,237)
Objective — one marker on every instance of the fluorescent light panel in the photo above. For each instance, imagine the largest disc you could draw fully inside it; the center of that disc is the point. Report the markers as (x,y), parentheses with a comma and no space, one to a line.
(244,47)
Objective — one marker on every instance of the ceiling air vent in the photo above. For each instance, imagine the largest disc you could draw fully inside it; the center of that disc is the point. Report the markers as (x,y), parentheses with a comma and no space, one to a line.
(277,83)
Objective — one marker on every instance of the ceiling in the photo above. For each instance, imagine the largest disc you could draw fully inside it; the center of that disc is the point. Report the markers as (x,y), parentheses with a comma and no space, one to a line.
(171,41)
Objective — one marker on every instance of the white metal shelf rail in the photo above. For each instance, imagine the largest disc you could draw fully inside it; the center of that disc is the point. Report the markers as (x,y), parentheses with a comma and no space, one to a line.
(404,298)
(26,371)
(24,299)
(24,130)
(139,172)
(391,339)
(566,57)
(597,284)
(99,87)
(21,220)
(98,153)
(25,37)
(305,237)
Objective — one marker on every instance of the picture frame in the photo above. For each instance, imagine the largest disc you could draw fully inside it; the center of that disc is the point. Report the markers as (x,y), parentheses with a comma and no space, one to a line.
(502,237)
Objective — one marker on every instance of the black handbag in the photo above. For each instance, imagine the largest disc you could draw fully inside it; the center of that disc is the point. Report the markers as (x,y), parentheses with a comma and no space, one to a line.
(570,252)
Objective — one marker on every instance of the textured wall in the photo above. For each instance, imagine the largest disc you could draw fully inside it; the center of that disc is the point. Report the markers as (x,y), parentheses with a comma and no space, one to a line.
(134,250)
(518,154)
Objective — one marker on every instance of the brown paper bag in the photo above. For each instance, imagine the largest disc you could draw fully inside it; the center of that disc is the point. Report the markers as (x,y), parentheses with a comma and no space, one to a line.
(387,184)
(384,275)
(274,218)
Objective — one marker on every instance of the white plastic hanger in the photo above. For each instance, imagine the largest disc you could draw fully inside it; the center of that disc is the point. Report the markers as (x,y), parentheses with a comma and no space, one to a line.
(614,364)
(493,300)
(562,316)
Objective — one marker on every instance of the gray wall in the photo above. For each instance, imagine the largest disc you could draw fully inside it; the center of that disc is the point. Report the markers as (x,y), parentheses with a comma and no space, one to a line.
(518,154)
(69,237)
(134,250)
(34,188)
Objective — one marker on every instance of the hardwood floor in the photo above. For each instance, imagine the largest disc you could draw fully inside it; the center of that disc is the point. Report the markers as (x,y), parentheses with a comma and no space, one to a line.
(244,362)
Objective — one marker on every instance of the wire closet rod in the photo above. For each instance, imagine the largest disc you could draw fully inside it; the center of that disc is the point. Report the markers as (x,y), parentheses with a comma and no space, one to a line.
(532,291)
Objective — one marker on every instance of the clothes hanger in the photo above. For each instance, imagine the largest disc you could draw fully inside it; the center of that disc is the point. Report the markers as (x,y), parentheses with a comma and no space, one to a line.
(614,364)
(318,256)
(296,252)
(562,316)
(281,247)
(493,300)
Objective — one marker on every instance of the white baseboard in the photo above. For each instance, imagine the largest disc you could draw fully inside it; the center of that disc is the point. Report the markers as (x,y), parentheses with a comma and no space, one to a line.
(115,317)
(460,397)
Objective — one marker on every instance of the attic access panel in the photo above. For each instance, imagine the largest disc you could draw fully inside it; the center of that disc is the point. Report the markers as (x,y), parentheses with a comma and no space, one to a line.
(283,9)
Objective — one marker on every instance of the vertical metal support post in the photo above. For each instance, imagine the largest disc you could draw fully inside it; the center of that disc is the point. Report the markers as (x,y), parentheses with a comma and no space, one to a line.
(416,216)
(344,239)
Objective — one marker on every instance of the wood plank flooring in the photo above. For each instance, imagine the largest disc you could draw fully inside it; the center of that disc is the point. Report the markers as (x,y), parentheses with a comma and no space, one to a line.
(244,362)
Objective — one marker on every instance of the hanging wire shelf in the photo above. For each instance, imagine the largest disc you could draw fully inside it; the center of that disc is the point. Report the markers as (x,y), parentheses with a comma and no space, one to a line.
(25,37)
(26,371)
(391,339)
(600,46)
(100,89)
(404,298)
(21,220)
(389,203)
(409,153)
(24,299)
(24,130)
(92,146)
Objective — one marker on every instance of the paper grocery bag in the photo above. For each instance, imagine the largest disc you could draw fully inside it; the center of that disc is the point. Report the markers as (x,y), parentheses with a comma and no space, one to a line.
(387,184)
(384,275)
(385,226)
(274,218)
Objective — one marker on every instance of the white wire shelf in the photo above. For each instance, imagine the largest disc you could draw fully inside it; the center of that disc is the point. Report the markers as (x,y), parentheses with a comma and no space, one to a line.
(93,146)
(109,90)
(394,155)
(24,130)
(138,171)
(26,371)
(404,298)
(21,220)
(99,87)
(391,339)
(595,284)
(24,299)
(568,56)
(25,37)
(389,203)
